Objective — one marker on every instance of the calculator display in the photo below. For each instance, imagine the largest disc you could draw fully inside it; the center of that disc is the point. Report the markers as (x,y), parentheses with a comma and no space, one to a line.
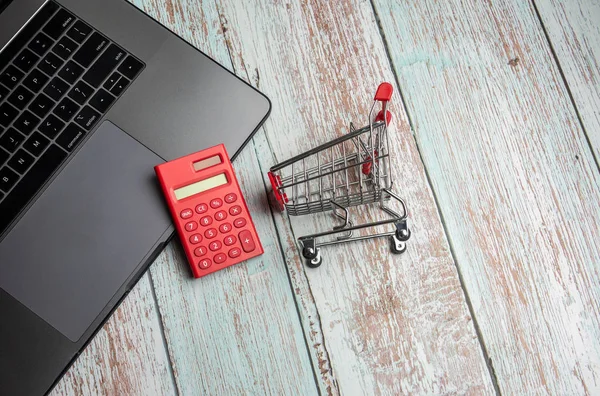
(200,186)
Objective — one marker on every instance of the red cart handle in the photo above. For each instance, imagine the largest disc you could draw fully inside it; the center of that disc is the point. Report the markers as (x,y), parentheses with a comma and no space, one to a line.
(384,92)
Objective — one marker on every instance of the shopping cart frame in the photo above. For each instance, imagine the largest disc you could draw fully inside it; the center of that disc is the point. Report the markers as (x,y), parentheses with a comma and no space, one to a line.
(371,165)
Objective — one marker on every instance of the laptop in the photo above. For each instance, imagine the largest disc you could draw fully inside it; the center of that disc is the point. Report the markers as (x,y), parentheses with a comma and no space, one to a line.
(93,95)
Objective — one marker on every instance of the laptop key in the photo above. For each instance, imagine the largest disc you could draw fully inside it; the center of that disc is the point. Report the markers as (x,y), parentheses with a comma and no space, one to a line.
(130,67)
(29,185)
(50,64)
(104,66)
(70,72)
(11,76)
(35,80)
(51,126)
(58,24)
(7,114)
(21,161)
(3,156)
(40,44)
(111,81)
(20,97)
(120,86)
(11,139)
(66,109)
(25,60)
(8,178)
(65,47)
(26,122)
(87,118)
(79,31)
(41,105)
(3,93)
(36,144)
(81,92)
(91,49)
(56,88)
(70,137)
(102,100)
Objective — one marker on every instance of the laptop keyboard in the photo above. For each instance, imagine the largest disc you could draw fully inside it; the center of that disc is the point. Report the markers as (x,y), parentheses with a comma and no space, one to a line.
(58,77)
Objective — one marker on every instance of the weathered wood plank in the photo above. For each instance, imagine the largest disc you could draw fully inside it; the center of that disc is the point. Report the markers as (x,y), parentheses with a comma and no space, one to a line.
(375,323)
(127,357)
(574,32)
(236,331)
(515,180)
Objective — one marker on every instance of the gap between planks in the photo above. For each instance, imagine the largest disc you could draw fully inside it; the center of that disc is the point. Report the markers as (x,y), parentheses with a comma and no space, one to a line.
(484,350)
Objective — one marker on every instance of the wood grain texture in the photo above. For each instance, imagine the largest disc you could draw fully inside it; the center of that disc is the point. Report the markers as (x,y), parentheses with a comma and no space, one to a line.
(127,356)
(574,31)
(375,323)
(515,180)
(236,331)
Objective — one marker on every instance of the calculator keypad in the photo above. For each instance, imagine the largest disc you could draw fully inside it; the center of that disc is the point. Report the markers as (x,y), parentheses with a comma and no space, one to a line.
(222,242)
(225,228)
(230,198)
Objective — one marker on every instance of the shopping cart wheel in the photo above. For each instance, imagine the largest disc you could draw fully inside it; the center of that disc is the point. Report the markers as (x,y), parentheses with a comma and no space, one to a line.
(403,234)
(315,262)
(398,246)
(310,253)
(402,231)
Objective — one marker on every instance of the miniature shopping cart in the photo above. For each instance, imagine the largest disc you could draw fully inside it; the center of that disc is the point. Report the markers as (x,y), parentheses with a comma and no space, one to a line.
(351,170)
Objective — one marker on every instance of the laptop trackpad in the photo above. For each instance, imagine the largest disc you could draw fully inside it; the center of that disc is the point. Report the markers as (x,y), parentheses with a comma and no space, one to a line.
(76,246)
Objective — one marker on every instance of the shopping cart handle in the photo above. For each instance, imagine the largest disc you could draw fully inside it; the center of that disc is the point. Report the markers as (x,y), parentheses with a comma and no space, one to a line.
(384,92)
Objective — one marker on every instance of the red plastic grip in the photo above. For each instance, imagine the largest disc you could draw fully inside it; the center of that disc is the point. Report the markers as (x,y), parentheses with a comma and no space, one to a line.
(275,183)
(384,92)
(388,117)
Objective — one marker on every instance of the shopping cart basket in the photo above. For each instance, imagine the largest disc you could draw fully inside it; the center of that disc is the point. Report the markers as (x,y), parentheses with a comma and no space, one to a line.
(351,170)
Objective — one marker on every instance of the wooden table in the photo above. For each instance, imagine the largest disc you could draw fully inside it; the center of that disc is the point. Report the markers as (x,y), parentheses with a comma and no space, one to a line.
(496,142)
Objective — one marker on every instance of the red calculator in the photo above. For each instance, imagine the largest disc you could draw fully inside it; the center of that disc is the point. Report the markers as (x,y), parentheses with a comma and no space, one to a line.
(208,210)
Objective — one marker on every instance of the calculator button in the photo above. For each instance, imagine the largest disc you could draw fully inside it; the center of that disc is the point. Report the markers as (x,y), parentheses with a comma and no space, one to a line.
(200,251)
(196,238)
(204,264)
(220,258)
(186,213)
(229,240)
(201,208)
(235,252)
(239,223)
(191,226)
(214,245)
(210,233)
(247,241)
(216,203)
(225,228)
(230,198)
(235,210)
(220,215)
(206,220)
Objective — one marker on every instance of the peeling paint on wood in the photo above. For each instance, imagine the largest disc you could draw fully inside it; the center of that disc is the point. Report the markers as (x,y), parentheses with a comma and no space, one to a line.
(511,169)
(574,32)
(500,143)
(375,323)
(236,331)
